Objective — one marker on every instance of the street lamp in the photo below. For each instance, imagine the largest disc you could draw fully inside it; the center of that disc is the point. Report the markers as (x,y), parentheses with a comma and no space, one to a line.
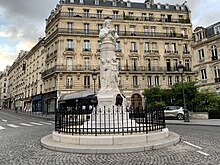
(180,68)
(94,77)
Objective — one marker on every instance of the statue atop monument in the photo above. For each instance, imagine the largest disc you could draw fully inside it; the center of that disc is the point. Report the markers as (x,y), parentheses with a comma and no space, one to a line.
(108,64)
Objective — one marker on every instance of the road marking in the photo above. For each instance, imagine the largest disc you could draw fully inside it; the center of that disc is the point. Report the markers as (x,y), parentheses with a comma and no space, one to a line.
(36,123)
(192,145)
(12,125)
(29,125)
(46,123)
(2,127)
(203,153)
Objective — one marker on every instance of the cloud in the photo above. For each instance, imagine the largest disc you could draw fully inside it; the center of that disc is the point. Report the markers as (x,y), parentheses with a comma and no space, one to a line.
(7,56)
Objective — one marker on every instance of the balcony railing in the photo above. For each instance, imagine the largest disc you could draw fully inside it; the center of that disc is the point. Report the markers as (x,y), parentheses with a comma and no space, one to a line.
(123,17)
(214,58)
(122,68)
(121,33)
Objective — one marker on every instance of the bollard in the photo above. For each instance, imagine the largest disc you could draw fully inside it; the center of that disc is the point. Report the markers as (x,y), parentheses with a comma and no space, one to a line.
(186,115)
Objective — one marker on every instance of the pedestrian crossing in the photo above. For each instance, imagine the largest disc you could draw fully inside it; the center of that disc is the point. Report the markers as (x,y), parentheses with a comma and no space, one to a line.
(29,124)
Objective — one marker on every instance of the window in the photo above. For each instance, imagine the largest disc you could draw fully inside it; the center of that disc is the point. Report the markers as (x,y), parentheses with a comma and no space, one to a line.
(158,6)
(169,80)
(69,63)
(217,29)
(81,1)
(118,48)
(187,65)
(86,45)
(4,84)
(99,13)
(114,3)
(148,64)
(86,28)
(188,78)
(86,82)
(166,32)
(163,18)
(134,63)
(96,2)
(201,54)
(154,46)
(177,79)
(148,5)
(99,45)
(115,15)
(135,81)
(173,47)
(216,72)
(117,28)
(69,81)
(167,47)
(118,63)
(70,12)
(144,16)
(157,80)
(203,74)
(175,63)
(69,44)
(149,80)
(146,30)
(132,30)
(146,47)
(153,30)
(86,63)
(128,4)
(133,47)
(86,12)
(99,27)
(214,53)
(69,26)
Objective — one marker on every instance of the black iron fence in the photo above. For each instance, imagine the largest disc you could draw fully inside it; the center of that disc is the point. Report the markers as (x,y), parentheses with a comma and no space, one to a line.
(88,120)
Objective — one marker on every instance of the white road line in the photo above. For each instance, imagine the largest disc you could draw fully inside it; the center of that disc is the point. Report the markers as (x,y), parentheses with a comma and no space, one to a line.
(2,127)
(12,125)
(36,123)
(192,145)
(46,123)
(24,124)
(203,153)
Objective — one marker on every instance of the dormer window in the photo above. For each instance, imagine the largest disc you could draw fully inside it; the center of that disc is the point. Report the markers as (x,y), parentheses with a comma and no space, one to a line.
(96,2)
(128,3)
(217,29)
(177,7)
(182,7)
(114,3)
(167,6)
(81,1)
(71,1)
(158,6)
(148,5)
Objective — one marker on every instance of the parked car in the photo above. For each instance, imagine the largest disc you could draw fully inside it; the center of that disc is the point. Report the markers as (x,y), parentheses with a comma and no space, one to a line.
(174,111)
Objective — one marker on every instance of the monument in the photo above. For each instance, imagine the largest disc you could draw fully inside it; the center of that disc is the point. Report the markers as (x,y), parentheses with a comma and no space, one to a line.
(108,68)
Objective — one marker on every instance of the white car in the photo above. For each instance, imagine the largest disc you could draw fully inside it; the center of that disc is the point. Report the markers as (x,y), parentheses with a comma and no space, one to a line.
(174,111)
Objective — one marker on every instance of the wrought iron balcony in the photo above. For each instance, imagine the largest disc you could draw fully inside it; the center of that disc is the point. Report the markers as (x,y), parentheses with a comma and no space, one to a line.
(214,58)
(122,17)
(121,33)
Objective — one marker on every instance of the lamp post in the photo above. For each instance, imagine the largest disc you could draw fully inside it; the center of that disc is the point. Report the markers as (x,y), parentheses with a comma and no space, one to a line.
(94,77)
(180,68)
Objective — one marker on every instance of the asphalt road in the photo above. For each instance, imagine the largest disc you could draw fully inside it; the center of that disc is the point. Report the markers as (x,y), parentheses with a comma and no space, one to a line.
(20,145)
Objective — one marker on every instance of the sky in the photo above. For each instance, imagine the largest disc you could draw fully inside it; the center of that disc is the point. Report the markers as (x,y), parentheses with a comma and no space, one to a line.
(22,22)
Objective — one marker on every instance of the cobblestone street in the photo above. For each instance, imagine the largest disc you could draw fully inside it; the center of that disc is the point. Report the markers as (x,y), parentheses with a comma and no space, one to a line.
(21,146)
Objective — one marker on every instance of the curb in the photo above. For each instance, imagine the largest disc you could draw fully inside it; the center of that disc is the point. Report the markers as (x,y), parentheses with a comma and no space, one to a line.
(51,144)
(194,124)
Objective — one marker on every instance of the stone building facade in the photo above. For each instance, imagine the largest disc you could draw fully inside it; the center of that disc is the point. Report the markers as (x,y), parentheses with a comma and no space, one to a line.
(154,38)
(206,56)
(4,88)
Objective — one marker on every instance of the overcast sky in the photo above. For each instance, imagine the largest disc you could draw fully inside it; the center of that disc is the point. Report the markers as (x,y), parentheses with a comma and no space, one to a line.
(22,22)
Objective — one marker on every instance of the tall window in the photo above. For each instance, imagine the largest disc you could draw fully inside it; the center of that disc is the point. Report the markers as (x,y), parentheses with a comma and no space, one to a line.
(86,45)
(135,81)
(177,79)
(153,31)
(134,63)
(99,45)
(86,28)
(86,82)
(117,28)
(216,72)
(69,63)
(133,47)
(146,47)
(173,47)
(167,47)
(185,48)
(86,12)
(154,46)
(175,63)
(146,30)
(69,26)
(203,74)
(86,63)
(157,80)
(201,54)
(166,32)
(187,65)
(99,27)
(214,52)
(96,2)
(69,81)
(169,80)
(118,63)
(69,44)
(148,64)
(99,13)
(149,80)
(132,30)
(115,15)
(118,48)
(70,12)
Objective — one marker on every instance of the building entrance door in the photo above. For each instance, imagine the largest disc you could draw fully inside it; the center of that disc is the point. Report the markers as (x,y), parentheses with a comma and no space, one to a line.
(136,101)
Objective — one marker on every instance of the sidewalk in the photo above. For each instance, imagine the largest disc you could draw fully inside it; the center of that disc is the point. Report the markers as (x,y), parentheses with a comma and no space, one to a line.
(203,122)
